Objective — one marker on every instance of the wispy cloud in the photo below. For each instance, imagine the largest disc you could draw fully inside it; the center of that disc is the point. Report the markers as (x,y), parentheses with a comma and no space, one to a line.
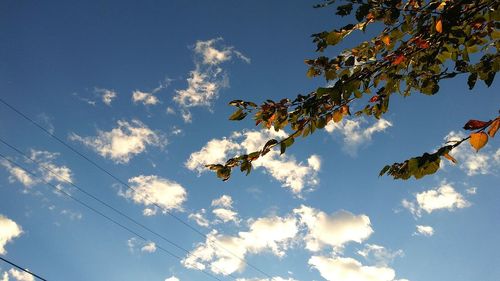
(107,96)
(123,142)
(356,132)
(208,77)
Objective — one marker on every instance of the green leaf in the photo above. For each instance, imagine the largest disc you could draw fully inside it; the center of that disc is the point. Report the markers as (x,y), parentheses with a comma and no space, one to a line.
(238,115)
(384,170)
(471,81)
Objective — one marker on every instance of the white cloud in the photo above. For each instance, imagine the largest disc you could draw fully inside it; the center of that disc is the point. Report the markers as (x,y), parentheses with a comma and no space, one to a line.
(153,190)
(5,277)
(50,171)
(72,215)
(107,96)
(224,201)
(18,174)
(124,142)
(349,269)
(226,215)
(379,255)
(472,190)
(200,218)
(284,168)
(149,247)
(225,254)
(267,279)
(424,230)
(472,162)
(441,197)
(144,98)
(213,56)
(9,230)
(208,78)
(173,278)
(21,275)
(356,135)
(333,230)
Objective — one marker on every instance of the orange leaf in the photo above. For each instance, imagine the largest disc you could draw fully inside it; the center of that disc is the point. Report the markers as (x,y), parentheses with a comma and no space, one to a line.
(399,59)
(449,157)
(494,128)
(439,26)
(387,40)
(374,98)
(337,116)
(478,140)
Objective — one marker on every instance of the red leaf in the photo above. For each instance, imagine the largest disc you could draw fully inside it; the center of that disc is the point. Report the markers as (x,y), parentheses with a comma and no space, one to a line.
(374,99)
(398,59)
(474,125)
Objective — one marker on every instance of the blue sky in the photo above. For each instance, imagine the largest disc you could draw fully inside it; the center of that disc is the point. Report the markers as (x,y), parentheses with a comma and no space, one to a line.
(142,89)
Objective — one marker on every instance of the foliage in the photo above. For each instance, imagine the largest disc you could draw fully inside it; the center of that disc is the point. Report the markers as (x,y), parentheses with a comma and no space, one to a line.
(421,43)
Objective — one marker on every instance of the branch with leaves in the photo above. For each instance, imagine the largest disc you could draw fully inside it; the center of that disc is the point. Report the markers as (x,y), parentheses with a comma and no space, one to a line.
(421,44)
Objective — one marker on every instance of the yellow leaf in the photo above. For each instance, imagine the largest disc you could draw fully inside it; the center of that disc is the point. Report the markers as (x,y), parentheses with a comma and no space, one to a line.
(478,140)
(449,157)
(439,26)
(441,6)
(494,128)
(337,116)
(387,40)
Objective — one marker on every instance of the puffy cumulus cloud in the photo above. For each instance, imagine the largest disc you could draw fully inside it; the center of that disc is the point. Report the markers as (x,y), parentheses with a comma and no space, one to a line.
(470,161)
(208,77)
(267,279)
(124,142)
(18,174)
(222,254)
(284,168)
(215,151)
(424,230)
(144,98)
(5,277)
(442,197)
(107,96)
(226,254)
(222,210)
(349,269)
(333,230)
(21,275)
(357,133)
(153,191)
(225,212)
(379,255)
(9,230)
(173,278)
(226,215)
(224,201)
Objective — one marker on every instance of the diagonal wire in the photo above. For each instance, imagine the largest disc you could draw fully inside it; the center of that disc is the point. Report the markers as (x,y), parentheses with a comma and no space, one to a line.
(27,271)
(57,189)
(121,213)
(130,187)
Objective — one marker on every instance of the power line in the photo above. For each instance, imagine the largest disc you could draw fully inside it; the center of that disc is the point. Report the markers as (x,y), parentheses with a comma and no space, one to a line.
(99,212)
(130,187)
(27,271)
(121,213)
